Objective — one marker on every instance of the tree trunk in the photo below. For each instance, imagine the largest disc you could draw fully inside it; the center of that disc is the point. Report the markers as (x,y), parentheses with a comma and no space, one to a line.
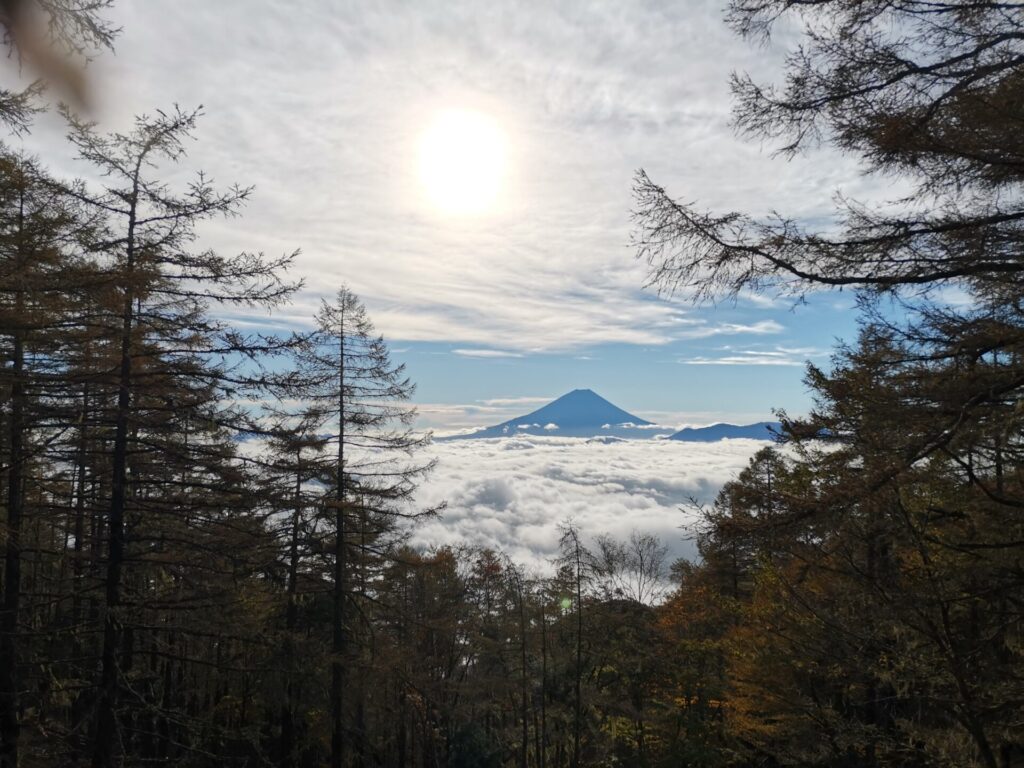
(106,711)
(9,724)
(291,624)
(578,704)
(523,679)
(80,468)
(543,749)
(339,742)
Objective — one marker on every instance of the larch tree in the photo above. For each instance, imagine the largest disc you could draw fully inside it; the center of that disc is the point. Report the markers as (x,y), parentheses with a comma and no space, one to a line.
(40,229)
(578,566)
(887,547)
(925,92)
(163,333)
(293,445)
(369,464)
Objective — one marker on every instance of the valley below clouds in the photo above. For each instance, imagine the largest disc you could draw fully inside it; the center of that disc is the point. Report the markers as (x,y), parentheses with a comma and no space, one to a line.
(511,494)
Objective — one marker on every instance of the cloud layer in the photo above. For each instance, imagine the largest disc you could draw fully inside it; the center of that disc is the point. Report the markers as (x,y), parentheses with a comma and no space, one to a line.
(512,493)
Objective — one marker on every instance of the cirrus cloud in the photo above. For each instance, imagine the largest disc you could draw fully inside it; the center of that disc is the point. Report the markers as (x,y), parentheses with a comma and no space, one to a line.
(489,353)
(586,92)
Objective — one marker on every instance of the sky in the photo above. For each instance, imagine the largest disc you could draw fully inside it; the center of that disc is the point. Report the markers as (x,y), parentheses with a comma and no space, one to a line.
(466,168)
(324,107)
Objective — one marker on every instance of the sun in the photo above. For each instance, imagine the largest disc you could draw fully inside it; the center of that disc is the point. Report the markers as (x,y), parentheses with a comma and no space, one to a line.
(462,161)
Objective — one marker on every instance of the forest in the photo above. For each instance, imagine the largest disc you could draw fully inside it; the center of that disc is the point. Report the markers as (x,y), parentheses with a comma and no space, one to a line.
(205,526)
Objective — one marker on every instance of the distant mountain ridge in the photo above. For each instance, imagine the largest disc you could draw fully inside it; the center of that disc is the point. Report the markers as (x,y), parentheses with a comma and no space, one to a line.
(580,413)
(762,430)
(584,413)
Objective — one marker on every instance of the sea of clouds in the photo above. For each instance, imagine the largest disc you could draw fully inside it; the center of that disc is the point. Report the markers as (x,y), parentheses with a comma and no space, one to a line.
(512,493)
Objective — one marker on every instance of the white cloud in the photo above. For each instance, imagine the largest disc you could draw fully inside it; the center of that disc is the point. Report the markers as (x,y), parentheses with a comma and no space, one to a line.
(487,353)
(786,356)
(741,360)
(585,92)
(507,401)
(511,493)
(457,418)
(759,328)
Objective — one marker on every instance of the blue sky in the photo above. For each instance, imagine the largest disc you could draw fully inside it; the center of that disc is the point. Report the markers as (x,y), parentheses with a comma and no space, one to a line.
(735,377)
(322,104)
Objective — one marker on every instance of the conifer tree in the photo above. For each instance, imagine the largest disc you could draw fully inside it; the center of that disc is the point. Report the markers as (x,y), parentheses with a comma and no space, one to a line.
(163,333)
(368,463)
(39,231)
(866,558)
(577,563)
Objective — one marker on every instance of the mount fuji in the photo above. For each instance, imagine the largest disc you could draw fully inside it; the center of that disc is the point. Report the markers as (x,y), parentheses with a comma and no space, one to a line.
(580,413)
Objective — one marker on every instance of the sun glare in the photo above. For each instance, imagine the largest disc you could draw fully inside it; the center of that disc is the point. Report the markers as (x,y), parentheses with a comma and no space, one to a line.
(462,161)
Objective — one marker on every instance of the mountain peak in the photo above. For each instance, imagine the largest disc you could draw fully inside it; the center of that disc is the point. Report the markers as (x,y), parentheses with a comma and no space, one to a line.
(579,395)
(580,408)
(578,413)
